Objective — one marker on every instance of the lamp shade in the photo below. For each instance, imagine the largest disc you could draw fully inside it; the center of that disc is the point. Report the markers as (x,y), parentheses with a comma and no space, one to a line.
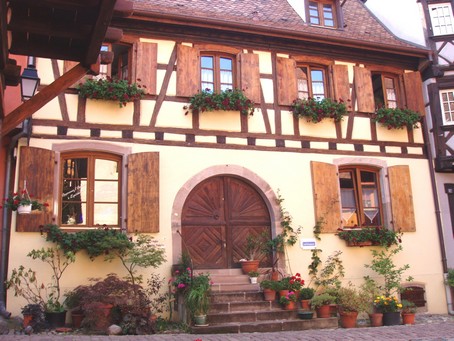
(29,82)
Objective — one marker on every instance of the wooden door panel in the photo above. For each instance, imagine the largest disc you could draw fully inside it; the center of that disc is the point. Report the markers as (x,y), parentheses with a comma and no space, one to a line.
(239,236)
(245,204)
(205,204)
(205,245)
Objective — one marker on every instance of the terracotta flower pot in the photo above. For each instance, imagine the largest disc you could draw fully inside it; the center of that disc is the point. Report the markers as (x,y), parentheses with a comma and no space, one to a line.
(250,265)
(269,294)
(290,306)
(408,318)
(348,319)
(28,318)
(306,304)
(323,311)
(376,319)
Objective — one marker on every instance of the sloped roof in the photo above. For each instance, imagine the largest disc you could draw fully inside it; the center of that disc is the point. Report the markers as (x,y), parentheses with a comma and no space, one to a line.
(360,25)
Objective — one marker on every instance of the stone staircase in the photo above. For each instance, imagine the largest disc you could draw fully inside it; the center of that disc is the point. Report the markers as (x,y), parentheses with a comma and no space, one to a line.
(238,307)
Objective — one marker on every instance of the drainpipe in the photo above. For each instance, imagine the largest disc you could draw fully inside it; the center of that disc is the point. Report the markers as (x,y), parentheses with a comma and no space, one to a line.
(438,216)
(6,231)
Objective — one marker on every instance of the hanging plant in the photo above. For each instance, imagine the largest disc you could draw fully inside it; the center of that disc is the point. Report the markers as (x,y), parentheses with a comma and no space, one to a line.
(397,118)
(23,198)
(315,110)
(207,100)
(111,90)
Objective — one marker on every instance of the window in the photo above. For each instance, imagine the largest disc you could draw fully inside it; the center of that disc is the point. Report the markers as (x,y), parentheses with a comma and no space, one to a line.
(216,72)
(311,82)
(385,90)
(441,18)
(119,68)
(90,189)
(360,197)
(322,13)
(447,106)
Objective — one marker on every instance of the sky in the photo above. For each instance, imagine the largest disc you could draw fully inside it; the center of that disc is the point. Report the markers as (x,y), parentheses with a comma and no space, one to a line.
(402,17)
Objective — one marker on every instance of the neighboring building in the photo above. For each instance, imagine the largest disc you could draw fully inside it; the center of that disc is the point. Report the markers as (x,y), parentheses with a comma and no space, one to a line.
(207,180)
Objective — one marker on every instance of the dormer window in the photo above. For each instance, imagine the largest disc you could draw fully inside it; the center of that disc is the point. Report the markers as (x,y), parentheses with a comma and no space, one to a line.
(441,18)
(322,13)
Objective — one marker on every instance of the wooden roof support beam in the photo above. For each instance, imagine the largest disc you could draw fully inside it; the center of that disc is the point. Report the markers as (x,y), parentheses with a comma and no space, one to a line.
(123,8)
(27,109)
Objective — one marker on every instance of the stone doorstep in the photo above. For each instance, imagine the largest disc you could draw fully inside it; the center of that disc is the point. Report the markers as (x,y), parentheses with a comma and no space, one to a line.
(229,307)
(236,296)
(267,326)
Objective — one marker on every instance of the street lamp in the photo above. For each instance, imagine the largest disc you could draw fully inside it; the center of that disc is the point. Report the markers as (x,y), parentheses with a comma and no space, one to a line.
(29,80)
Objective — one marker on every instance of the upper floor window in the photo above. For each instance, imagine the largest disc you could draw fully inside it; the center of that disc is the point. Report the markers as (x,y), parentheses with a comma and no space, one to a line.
(447,106)
(360,197)
(311,82)
(119,68)
(385,90)
(322,13)
(442,18)
(216,72)
(90,189)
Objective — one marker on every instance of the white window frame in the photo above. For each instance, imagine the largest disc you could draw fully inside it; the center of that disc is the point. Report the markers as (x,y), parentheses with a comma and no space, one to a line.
(450,104)
(441,18)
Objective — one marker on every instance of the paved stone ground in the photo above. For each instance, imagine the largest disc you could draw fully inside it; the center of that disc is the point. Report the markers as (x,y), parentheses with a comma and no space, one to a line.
(427,327)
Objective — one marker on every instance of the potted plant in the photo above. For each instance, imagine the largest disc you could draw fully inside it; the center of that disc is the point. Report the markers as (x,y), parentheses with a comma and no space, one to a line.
(255,246)
(397,118)
(253,276)
(34,317)
(73,301)
(368,236)
(390,307)
(306,295)
(198,298)
(269,288)
(206,100)
(370,289)
(408,312)
(351,302)
(109,89)
(315,110)
(321,303)
(289,300)
(26,284)
(23,203)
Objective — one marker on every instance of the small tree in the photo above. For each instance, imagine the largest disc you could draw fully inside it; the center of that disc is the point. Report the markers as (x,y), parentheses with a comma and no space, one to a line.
(383,264)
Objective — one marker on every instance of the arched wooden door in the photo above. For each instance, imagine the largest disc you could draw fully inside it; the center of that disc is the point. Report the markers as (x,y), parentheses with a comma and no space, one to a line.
(218,215)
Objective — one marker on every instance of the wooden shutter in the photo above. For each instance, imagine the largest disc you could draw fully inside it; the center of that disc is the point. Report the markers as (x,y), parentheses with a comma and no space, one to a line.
(187,71)
(363,89)
(403,213)
(325,186)
(341,83)
(146,64)
(413,92)
(37,168)
(250,76)
(287,90)
(143,193)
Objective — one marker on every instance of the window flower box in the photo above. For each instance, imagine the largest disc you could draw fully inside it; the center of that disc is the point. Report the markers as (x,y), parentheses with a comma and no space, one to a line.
(396,118)
(315,110)
(369,236)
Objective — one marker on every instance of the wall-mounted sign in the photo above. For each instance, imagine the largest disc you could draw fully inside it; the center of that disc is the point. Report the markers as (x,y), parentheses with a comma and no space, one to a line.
(308,243)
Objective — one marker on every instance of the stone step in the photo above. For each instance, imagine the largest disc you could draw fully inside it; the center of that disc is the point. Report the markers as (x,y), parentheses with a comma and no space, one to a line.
(230,307)
(272,325)
(236,296)
(234,287)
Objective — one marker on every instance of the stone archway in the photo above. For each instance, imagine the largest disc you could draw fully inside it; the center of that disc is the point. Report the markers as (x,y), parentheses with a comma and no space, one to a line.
(262,188)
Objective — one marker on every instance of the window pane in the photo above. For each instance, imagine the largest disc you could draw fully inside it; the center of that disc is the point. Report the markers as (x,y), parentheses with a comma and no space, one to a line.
(318,86)
(225,63)
(227,79)
(447,106)
(106,191)
(328,19)
(206,62)
(74,214)
(106,169)
(348,200)
(106,214)
(441,18)
(313,13)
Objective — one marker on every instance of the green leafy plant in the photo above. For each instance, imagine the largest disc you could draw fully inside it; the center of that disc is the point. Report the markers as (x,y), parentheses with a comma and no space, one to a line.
(397,118)
(315,110)
(387,304)
(292,283)
(307,293)
(270,284)
(330,274)
(383,264)
(15,200)
(377,235)
(182,280)
(198,297)
(26,284)
(450,278)
(254,274)
(206,100)
(111,90)
(351,299)
(322,299)
(408,307)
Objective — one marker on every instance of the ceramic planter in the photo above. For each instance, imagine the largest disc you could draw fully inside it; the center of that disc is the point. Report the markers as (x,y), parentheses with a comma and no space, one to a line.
(200,320)
(55,319)
(376,319)
(323,311)
(408,318)
(391,318)
(305,315)
(269,294)
(24,209)
(348,319)
(250,265)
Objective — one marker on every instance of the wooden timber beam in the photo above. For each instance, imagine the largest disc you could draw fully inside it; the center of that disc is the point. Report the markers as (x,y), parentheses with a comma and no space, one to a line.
(28,108)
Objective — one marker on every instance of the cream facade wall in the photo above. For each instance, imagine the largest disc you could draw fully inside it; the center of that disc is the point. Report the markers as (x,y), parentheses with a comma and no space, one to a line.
(288,173)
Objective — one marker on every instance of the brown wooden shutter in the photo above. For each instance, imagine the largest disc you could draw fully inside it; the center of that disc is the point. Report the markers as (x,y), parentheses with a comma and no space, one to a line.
(413,92)
(401,198)
(341,83)
(187,71)
(287,90)
(250,76)
(143,193)
(363,89)
(325,186)
(146,64)
(37,168)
